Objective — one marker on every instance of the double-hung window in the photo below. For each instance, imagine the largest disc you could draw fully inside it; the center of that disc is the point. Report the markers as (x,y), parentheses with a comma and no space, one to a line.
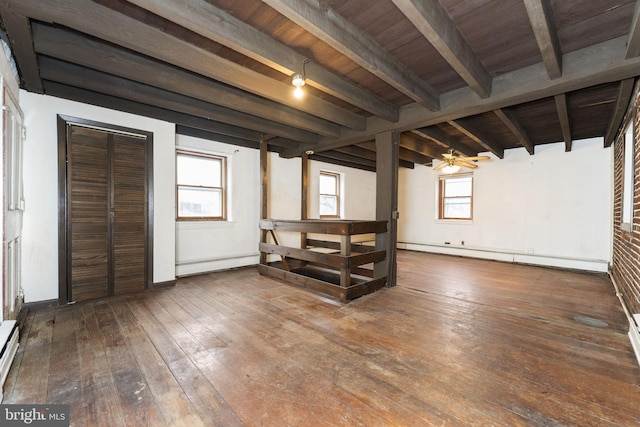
(329,195)
(201,180)
(456,197)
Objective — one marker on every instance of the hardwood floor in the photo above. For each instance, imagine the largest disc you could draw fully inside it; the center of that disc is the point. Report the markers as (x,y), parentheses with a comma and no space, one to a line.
(458,342)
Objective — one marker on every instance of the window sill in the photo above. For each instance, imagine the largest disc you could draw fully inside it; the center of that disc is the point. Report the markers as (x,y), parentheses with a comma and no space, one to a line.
(455,221)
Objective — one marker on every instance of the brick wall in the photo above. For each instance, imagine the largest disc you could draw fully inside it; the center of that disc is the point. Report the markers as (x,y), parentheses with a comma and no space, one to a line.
(626,244)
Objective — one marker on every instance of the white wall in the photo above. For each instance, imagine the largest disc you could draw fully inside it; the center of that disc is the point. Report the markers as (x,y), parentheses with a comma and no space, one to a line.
(40,235)
(553,208)
(213,245)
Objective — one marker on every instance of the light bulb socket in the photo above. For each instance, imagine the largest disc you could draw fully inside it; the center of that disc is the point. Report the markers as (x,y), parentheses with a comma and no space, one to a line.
(297,80)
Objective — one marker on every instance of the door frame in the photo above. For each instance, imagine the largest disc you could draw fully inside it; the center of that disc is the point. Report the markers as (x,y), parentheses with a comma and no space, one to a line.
(64,258)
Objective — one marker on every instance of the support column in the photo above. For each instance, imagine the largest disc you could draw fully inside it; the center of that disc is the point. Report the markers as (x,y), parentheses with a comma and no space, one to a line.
(387,149)
(264,193)
(304,204)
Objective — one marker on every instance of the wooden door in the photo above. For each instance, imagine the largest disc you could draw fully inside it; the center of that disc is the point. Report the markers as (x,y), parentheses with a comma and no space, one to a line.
(107,215)
(13,207)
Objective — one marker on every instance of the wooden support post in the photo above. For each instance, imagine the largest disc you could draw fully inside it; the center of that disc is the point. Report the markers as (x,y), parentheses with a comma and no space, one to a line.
(345,250)
(387,149)
(304,204)
(264,194)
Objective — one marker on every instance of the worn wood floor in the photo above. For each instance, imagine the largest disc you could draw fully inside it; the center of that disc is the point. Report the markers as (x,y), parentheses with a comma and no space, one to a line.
(459,342)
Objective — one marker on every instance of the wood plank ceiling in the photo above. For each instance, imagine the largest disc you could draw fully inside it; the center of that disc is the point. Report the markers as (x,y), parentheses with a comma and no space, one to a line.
(472,75)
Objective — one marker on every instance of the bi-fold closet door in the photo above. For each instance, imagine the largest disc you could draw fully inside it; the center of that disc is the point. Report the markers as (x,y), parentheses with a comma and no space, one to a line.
(106,212)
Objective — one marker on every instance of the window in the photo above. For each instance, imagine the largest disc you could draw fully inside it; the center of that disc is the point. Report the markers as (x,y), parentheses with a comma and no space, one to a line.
(456,197)
(627,184)
(329,195)
(200,180)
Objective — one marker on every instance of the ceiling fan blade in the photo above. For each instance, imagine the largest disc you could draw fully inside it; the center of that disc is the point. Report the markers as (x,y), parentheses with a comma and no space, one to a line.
(466,164)
(474,158)
(440,166)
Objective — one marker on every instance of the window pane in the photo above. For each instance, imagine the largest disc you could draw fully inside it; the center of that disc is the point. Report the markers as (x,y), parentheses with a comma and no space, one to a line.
(200,171)
(328,205)
(457,208)
(328,184)
(199,202)
(455,187)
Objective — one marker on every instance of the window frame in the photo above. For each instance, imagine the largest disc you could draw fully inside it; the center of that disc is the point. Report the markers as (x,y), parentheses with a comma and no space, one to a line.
(442,197)
(337,195)
(223,182)
(628,175)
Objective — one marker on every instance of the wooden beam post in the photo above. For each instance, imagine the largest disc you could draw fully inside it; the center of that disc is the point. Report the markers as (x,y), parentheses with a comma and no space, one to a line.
(387,148)
(304,198)
(264,193)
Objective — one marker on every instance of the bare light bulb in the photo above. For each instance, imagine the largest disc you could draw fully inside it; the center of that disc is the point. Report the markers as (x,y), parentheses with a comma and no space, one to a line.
(298,93)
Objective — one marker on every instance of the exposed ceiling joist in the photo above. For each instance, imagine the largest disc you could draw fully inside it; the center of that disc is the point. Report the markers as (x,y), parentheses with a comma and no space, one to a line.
(516,128)
(319,19)
(622,103)
(404,154)
(544,28)
(563,116)
(441,137)
(21,42)
(107,58)
(207,20)
(434,23)
(415,142)
(146,39)
(68,74)
(633,45)
(477,136)
(592,65)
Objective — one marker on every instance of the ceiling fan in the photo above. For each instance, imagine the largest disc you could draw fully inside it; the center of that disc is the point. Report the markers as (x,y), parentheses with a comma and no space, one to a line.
(452,163)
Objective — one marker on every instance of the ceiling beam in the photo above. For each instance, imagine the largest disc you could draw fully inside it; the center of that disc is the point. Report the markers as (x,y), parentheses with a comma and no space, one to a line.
(118,104)
(430,18)
(107,58)
(590,66)
(633,45)
(477,136)
(156,43)
(74,75)
(405,155)
(563,117)
(330,160)
(414,142)
(323,22)
(441,137)
(215,24)
(19,30)
(370,154)
(510,121)
(625,92)
(218,137)
(544,28)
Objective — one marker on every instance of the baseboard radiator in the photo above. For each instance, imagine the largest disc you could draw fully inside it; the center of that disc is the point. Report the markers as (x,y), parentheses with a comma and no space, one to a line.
(9,341)
(634,334)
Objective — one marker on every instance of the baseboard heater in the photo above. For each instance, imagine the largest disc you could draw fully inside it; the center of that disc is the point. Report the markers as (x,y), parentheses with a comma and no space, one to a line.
(634,334)
(9,340)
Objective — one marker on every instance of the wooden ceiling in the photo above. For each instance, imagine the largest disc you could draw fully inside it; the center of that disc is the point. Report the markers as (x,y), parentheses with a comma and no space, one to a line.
(472,75)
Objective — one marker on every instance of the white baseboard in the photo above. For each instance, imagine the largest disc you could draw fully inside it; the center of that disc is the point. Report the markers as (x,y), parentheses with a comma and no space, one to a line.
(634,335)
(9,345)
(601,266)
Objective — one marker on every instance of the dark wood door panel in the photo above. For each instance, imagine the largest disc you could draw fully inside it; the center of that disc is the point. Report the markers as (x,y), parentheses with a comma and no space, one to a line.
(107,213)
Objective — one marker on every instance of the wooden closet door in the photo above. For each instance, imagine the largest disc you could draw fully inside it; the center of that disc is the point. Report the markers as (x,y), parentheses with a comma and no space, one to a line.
(88,207)
(129,192)
(107,211)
